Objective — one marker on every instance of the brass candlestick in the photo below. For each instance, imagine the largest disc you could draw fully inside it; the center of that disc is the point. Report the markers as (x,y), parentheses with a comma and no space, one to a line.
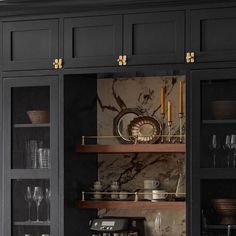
(181,115)
(162,127)
(169,131)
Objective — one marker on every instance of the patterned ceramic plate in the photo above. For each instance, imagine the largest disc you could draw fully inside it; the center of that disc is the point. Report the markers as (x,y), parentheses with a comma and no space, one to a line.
(144,129)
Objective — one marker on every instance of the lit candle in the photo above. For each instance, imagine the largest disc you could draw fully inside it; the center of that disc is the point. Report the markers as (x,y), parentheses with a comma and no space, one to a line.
(169,118)
(181,96)
(163,100)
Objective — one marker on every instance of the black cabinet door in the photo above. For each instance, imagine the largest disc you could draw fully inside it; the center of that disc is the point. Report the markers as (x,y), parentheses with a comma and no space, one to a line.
(92,41)
(30,44)
(213,37)
(154,38)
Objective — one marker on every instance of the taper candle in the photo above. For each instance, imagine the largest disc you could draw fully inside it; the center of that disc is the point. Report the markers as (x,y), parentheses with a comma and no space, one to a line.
(181,101)
(163,100)
(169,118)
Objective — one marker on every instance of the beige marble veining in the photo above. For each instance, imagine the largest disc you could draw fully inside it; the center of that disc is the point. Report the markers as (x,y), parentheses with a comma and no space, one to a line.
(131,169)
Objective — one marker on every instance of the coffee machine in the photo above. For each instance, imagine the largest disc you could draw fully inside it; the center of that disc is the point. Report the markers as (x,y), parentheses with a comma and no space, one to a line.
(118,226)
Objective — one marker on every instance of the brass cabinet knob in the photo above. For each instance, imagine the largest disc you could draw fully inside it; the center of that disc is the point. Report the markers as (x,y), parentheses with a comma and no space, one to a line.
(58,63)
(190,57)
(122,60)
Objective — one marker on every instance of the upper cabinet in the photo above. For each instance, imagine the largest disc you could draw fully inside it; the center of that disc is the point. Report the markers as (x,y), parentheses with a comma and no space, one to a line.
(212,34)
(92,41)
(154,38)
(30,44)
(151,38)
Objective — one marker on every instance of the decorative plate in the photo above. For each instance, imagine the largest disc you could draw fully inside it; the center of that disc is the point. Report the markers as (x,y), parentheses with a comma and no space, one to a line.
(144,129)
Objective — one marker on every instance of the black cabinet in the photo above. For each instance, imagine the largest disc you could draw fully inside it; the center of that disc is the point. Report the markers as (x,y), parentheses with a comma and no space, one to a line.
(213,152)
(30,44)
(31,201)
(92,41)
(213,37)
(154,38)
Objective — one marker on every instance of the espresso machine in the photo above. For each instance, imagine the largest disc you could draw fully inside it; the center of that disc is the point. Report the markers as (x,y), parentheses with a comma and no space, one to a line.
(118,226)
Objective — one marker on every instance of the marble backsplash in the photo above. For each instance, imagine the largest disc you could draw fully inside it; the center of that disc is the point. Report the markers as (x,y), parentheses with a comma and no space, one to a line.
(143,93)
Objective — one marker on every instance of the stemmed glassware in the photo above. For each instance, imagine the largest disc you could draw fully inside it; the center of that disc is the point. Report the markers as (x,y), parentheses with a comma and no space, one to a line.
(233,147)
(29,199)
(38,197)
(158,224)
(47,199)
(227,147)
(214,146)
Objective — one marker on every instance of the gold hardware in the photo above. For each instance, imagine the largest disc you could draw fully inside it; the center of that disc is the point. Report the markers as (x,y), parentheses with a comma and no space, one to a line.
(190,57)
(122,60)
(58,63)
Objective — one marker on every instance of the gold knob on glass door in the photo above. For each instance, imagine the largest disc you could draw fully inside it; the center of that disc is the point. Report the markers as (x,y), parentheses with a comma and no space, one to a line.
(190,57)
(58,63)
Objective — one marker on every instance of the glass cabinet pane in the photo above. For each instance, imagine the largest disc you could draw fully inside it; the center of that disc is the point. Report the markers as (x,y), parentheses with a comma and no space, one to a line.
(30,127)
(30,207)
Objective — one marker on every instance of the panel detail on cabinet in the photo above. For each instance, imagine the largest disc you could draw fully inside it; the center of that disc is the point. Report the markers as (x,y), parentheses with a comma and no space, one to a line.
(154,38)
(92,41)
(30,44)
(212,36)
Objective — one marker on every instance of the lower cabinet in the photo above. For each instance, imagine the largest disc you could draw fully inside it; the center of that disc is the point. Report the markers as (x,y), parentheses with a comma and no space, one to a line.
(30,153)
(213,141)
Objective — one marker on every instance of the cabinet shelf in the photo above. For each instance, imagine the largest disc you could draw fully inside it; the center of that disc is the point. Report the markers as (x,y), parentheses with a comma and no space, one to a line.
(220,227)
(130,204)
(31,223)
(31,125)
(30,173)
(217,173)
(127,148)
(219,122)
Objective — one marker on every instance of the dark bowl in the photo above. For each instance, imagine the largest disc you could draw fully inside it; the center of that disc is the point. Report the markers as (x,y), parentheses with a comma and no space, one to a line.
(226,207)
(222,110)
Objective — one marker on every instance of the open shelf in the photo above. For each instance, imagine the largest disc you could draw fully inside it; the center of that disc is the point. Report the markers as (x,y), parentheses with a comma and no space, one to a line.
(130,204)
(31,223)
(31,125)
(126,148)
(219,121)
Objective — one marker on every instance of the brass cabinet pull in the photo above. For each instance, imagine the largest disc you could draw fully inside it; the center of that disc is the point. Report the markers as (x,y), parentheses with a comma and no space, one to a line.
(190,57)
(58,63)
(122,60)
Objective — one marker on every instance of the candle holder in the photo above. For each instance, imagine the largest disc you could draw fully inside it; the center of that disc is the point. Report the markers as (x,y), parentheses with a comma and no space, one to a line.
(169,131)
(181,115)
(162,127)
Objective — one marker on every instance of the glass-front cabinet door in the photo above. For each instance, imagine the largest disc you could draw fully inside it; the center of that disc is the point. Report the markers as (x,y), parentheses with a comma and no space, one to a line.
(31,156)
(213,152)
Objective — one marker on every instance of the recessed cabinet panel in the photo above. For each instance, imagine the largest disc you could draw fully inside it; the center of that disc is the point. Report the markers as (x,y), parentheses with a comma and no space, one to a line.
(92,41)
(212,35)
(30,44)
(154,38)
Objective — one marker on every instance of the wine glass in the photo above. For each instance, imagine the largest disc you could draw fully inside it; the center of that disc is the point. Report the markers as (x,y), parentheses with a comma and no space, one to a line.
(28,199)
(227,148)
(158,224)
(233,147)
(214,146)
(47,199)
(38,197)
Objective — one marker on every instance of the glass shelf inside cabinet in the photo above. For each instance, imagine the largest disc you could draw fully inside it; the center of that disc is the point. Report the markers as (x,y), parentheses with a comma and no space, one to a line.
(218,124)
(30,140)
(31,206)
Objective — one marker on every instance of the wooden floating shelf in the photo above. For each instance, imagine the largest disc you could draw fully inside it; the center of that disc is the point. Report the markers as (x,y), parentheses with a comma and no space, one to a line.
(31,125)
(31,223)
(126,148)
(130,204)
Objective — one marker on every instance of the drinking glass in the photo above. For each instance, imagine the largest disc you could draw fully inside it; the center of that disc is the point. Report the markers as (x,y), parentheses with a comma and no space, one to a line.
(227,148)
(158,224)
(47,199)
(28,199)
(214,146)
(44,158)
(233,147)
(38,197)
